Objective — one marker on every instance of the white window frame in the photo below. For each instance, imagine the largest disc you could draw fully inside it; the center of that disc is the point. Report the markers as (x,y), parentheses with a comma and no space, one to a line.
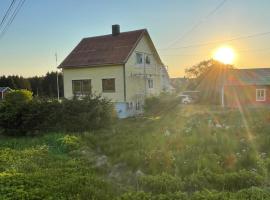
(258,98)
(82,92)
(130,105)
(139,53)
(150,83)
(144,55)
(149,56)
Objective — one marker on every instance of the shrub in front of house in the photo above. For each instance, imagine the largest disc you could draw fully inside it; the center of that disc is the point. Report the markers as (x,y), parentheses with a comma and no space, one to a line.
(11,110)
(92,112)
(160,104)
(22,116)
(18,97)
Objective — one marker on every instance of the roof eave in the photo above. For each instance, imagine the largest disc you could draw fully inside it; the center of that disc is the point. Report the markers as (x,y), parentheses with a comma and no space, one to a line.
(137,42)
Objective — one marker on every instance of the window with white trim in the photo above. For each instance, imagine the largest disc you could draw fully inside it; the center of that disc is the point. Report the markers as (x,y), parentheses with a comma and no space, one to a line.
(129,105)
(260,94)
(147,60)
(150,83)
(138,105)
(81,87)
(139,58)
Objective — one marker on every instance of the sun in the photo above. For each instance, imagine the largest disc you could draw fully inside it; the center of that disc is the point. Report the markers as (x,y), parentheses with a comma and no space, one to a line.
(225,55)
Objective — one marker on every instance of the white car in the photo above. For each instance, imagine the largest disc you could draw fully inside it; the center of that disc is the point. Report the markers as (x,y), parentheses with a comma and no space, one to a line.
(185,99)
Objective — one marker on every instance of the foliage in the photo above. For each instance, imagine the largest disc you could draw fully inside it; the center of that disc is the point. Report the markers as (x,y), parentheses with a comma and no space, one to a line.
(69,142)
(92,112)
(39,115)
(208,77)
(36,173)
(18,97)
(15,82)
(149,196)
(233,181)
(192,152)
(43,86)
(161,184)
(180,84)
(163,103)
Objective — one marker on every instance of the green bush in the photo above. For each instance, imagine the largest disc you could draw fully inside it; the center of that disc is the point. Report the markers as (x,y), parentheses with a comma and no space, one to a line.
(69,142)
(31,117)
(11,110)
(252,193)
(159,184)
(38,115)
(87,114)
(148,196)
(37,173)
(18,97)
(232,181)
(240,180)
(161,104)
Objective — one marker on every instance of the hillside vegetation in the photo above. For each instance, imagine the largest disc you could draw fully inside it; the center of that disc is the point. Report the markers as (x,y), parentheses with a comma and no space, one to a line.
(177,153)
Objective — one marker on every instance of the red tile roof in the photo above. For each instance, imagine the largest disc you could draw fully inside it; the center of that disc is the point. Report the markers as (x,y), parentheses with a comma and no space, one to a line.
(103,50)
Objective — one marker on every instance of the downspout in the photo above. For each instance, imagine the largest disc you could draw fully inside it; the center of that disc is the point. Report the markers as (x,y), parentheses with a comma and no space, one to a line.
(124,76)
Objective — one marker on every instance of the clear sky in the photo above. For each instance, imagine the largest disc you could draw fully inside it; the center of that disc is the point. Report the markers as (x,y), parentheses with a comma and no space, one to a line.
(44,27)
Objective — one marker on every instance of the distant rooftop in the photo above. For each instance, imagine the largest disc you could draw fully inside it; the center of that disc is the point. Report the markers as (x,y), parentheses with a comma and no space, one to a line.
(3,89)
(252,76)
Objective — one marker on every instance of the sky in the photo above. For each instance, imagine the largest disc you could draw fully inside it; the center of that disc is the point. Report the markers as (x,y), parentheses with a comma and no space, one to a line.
(43,28)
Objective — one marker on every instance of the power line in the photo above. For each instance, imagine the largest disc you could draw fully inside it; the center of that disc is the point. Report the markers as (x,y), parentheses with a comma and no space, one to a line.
(220,41)
(199,23)
(262,50)
(13,16)
(7,13)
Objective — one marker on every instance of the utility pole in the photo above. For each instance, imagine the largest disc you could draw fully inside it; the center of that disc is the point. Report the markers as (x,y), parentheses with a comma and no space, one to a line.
(57,79)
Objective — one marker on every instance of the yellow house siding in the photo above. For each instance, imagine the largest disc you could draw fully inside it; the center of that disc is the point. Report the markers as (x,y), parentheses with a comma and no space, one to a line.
(96,74)
(136,83)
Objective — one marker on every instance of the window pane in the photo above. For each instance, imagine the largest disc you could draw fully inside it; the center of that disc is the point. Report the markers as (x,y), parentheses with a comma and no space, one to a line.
(108,85)
(86,86)
(139,58)
(260,95)
(150,83)
(76,87)
(147,60)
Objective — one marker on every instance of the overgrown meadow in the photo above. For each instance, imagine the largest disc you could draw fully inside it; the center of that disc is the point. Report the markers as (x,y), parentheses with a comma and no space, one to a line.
(174,152)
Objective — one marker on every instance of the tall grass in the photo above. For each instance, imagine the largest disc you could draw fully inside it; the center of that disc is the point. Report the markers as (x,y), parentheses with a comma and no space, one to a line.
(192,152)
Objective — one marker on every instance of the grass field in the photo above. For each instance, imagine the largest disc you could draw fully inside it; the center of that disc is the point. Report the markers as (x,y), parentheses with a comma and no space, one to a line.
(182,152)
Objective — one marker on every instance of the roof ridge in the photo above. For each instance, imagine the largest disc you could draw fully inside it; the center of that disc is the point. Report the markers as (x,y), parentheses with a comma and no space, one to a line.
(100,36)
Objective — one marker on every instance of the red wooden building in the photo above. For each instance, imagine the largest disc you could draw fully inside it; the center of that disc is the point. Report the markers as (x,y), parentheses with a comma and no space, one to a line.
(246,87)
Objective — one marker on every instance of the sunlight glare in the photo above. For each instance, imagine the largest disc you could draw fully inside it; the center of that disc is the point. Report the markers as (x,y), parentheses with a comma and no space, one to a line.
(225,55)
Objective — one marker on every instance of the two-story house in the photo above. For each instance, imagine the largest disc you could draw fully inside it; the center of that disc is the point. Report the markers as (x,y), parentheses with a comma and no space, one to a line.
(123,67)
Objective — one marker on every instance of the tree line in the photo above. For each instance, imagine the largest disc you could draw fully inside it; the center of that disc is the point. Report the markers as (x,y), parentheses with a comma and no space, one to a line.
(43,86)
